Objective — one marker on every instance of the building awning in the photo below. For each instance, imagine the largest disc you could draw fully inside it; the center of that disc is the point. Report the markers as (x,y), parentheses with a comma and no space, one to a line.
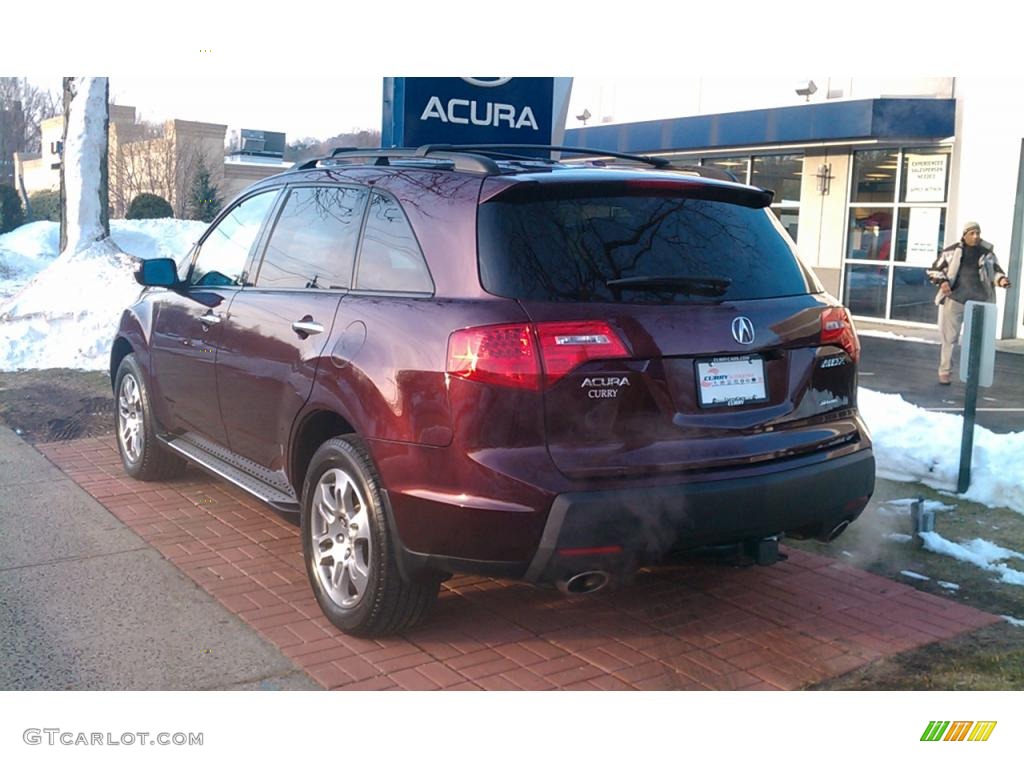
(835,122)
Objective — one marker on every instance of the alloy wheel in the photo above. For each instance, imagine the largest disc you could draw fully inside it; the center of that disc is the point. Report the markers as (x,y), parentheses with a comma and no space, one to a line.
(342,548)
(130,425)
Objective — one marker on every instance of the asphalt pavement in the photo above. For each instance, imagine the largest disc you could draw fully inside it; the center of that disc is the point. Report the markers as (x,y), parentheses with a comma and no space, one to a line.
(910,368)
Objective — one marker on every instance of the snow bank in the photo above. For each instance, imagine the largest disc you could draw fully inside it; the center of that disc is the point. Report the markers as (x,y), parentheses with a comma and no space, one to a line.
(915,445)
(67,315)
(24,252)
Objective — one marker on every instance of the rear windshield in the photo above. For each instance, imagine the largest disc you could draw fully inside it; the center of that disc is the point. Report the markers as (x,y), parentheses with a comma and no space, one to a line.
(652,249)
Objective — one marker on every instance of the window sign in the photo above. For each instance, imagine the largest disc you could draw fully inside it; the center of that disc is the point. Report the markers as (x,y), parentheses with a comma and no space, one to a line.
(926,178)
(923,236)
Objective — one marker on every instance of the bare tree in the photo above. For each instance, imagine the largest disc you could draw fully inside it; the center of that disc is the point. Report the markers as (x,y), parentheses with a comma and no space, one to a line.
(36,105)
(152,158)
(142,161)
(303,149)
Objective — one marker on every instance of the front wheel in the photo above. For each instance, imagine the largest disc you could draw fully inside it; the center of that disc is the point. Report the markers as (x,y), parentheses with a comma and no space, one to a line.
(348,548)
(144,457)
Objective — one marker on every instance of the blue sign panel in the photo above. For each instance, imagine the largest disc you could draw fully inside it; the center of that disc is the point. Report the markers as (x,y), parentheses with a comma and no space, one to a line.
(469,110)
(882,119)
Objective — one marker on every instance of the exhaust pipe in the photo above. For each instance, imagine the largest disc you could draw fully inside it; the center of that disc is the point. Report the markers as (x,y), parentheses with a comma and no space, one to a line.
(584,583)
(836,532)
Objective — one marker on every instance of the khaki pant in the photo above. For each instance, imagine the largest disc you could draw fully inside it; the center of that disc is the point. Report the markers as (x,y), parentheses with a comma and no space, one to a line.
(951,318)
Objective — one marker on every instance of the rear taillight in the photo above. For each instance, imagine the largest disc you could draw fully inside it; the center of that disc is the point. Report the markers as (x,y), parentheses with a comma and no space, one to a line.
(507,355)
(566,346)
(495,354)
(837,328)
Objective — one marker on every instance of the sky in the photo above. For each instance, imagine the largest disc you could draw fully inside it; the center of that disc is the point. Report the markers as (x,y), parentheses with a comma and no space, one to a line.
(312,71)
(304,107)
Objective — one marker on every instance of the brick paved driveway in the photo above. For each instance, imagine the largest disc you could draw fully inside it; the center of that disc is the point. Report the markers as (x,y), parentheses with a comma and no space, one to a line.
(690,627)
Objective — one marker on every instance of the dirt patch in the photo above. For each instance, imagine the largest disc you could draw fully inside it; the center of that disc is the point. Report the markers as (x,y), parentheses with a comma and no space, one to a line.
(882,542)
(989,659)
(57,404)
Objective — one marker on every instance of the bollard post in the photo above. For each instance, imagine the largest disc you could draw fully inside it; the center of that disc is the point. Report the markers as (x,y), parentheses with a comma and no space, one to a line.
(971,398)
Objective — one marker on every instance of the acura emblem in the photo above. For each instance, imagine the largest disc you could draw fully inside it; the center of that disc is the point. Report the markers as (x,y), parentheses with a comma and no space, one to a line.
(487,82)
(743,330)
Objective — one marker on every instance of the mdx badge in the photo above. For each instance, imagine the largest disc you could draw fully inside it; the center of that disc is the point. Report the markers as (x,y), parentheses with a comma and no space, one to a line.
(743,330)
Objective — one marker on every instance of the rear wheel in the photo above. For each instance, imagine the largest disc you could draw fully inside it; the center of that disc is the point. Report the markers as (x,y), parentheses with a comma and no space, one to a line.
(349,550)
(144,457)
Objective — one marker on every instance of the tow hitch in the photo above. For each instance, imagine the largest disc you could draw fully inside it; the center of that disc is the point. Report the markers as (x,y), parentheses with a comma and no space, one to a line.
(764,551)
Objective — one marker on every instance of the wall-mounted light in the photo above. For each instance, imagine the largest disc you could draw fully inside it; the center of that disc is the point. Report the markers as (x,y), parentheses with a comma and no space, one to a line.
(806,88)
(824,178)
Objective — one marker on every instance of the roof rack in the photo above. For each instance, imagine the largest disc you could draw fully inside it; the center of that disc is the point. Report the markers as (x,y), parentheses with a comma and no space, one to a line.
(657,162)
(481,158)
(462,161)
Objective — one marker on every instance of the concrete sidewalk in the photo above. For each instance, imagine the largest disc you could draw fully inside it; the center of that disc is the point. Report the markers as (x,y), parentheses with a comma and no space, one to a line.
(85,603)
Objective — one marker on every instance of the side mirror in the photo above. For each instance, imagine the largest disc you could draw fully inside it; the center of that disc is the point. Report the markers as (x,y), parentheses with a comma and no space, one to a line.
(161,273)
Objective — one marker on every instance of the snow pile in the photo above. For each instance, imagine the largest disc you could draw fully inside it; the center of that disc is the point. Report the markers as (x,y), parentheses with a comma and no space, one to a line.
(67,315)
(915,445)
(24,252)
(983,554)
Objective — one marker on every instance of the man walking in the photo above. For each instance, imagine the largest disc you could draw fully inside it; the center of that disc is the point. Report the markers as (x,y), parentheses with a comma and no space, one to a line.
(965,271)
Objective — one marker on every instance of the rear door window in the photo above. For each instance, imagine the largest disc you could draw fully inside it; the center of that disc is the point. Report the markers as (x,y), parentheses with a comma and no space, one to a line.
(635,248)
(313,244)
(390,258)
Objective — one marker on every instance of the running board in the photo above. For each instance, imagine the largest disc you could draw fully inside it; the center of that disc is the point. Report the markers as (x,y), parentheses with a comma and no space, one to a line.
(278,499)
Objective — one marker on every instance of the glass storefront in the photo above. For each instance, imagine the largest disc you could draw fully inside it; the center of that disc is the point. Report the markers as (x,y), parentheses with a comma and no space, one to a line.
(737,166)
(893,238)
(780,173)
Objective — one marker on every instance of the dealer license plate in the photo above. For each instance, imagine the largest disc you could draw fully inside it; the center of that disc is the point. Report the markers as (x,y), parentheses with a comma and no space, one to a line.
(731,381)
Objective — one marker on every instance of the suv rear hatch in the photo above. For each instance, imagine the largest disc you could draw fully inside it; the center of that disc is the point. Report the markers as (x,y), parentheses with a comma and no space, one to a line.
(676,328)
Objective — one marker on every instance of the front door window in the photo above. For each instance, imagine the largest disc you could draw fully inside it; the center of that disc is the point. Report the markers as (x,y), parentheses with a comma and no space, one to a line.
(224,252)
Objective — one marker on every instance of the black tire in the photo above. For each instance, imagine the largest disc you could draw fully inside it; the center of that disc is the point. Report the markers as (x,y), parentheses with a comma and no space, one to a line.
(381,602)
(148,459)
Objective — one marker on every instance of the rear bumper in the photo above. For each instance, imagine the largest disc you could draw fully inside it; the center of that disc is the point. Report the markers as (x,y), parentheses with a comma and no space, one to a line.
(646,523)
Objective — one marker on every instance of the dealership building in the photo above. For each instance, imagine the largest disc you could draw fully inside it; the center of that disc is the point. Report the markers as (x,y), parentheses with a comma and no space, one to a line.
(870,181)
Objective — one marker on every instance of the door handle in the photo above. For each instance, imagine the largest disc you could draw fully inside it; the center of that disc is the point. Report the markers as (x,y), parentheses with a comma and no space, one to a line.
(306,328)
(210,318)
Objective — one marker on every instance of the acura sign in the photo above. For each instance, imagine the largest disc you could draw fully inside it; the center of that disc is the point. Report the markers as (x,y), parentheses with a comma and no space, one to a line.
(474,110)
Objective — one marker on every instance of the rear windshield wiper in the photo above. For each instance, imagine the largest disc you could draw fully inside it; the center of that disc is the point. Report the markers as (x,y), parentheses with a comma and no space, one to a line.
(700,284)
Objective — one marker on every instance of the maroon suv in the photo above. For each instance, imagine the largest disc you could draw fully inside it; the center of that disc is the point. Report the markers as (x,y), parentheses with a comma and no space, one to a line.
(461,359)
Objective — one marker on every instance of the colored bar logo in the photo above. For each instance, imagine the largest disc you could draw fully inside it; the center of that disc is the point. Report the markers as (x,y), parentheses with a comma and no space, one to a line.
(958,730)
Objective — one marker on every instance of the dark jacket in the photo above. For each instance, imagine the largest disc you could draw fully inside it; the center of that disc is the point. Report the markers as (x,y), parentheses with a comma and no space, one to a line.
(947,265)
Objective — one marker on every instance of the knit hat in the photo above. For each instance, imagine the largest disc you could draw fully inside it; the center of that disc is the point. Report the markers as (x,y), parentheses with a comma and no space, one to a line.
(971,225)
